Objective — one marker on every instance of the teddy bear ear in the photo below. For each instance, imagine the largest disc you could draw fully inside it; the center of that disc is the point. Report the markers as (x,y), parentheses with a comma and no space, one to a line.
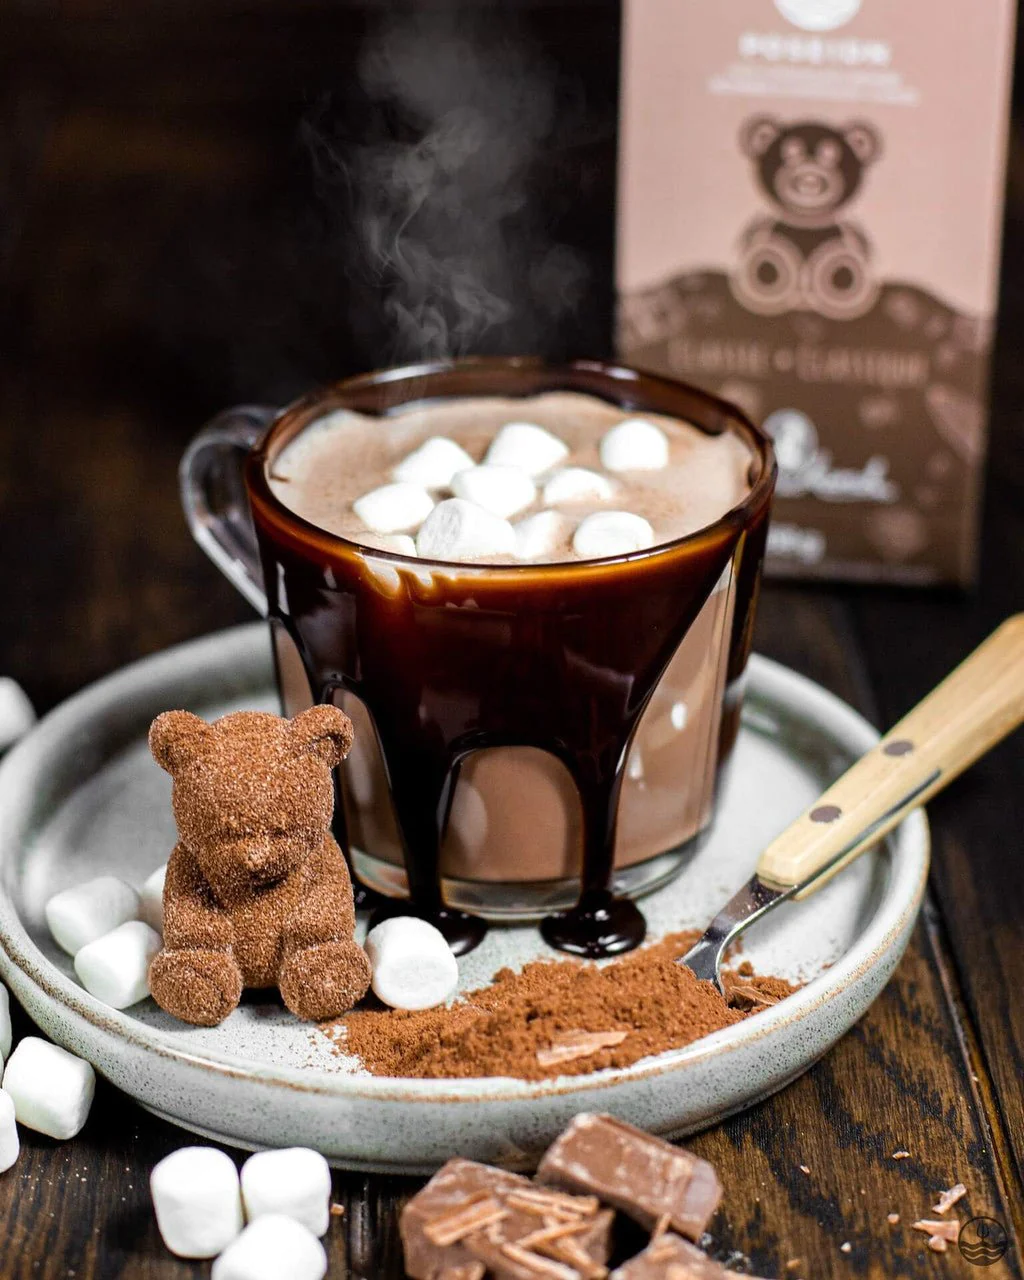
(757,135)
(324,731)
(176,737)
(863,141)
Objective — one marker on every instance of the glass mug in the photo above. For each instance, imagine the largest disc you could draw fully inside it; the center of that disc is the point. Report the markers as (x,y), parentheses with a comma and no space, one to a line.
(531,740)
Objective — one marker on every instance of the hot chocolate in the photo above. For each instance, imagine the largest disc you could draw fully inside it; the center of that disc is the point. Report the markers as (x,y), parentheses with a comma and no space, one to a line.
(538,736)
(540,466)
(492,838)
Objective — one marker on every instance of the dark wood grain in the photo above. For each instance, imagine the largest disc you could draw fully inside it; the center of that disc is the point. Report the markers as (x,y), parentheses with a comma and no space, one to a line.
(148,259)
(905,1069)
(909,643)
(900,1080)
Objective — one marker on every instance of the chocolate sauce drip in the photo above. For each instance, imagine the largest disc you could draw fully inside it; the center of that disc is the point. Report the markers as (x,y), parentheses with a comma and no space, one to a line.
(561,657)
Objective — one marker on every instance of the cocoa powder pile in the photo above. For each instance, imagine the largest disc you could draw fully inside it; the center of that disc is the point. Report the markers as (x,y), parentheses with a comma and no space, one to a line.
(563,1017)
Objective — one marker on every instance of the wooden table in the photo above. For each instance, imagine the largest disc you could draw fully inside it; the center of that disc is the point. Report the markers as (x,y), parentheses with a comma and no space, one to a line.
(112,172)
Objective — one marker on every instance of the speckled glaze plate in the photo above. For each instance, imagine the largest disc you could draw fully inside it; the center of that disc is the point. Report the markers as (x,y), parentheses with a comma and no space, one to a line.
(80,796)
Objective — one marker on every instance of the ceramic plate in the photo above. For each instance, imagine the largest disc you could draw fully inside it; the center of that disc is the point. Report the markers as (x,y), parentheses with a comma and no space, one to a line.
(80,796)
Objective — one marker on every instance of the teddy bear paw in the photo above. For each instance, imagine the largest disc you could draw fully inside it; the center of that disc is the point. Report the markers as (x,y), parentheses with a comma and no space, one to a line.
(201,987)
(324,980)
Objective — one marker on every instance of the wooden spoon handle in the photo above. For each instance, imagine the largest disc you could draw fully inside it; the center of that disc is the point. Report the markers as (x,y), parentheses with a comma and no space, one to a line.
(969,712)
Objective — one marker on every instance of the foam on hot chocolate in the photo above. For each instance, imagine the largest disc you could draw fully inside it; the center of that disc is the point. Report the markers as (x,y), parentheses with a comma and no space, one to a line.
(341,458)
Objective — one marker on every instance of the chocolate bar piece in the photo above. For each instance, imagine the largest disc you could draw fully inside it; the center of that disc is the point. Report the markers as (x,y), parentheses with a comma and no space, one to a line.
(668,1257)
(470,1220)
(637,1173)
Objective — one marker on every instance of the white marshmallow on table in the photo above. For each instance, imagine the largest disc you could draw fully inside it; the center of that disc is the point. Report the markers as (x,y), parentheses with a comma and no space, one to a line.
(115,968)
(9,1144)
(394,508)
(273,1247)
(503,491)
(460,530)
(401,543)
(413,966)
(85,912)
(17,715)
(576,484)
(51,1089)
(151,899)
(634,445)
(541,535)
(611,533)
(295,1181)
(526,446)
(433,464)
(198,1201)
(5,1024)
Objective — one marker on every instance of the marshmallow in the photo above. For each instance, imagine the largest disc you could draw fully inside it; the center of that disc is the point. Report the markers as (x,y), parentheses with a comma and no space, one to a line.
(394,508)
(526,446)
(634,445)
(151,899)
(459,530)
(611,533)
(433,464)
(295,1182)
(17,714)
(503,491)
(9,1144)
(5,1024)
(413,966)
(541,535)
(198,1201)
(115,968)
(80,915)
(51,1089)
(576,484)
(272,1248)
(400,543)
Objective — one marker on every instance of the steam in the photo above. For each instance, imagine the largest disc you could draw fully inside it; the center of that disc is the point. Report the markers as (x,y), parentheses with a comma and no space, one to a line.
(452,253)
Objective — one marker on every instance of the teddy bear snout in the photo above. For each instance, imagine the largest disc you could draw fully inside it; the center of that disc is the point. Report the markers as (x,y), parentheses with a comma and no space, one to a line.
(265,859)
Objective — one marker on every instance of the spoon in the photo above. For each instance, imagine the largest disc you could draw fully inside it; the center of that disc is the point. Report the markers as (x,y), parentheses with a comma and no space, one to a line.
(968,713)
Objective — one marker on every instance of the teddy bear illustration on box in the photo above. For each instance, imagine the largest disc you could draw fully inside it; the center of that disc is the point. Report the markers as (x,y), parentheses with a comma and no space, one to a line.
(257,893)
(806,257)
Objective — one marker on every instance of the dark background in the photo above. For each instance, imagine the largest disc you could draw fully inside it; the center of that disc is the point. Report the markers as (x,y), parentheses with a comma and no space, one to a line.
(205,203)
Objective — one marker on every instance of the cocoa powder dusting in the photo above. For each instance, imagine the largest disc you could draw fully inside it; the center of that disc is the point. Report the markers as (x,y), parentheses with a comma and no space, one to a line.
(510,1027)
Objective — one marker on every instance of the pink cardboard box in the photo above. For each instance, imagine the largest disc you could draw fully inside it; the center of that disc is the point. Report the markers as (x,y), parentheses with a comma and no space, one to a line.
(810,207)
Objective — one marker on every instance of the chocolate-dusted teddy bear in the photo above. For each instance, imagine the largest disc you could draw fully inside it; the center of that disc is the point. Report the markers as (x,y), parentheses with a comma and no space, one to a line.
(257,891)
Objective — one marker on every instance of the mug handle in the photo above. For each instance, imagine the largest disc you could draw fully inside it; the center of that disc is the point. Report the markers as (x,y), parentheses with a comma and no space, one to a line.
(214,497)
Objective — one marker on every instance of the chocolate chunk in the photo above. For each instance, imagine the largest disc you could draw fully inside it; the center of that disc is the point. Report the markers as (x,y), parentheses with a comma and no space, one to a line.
(742,995)
(452,1227)
(471,1219)
(637,1173)
(670,1258)
(516,1249)
(459,1186)
(578,1044)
